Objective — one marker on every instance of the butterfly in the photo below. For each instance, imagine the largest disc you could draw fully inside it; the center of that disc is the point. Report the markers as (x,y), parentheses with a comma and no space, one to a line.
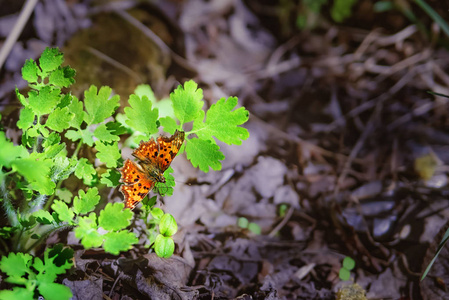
(154,157)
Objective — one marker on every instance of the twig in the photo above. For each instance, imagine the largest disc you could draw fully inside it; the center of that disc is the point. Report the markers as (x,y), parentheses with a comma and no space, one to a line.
(17,29)
(282,223)
(160,43)
(115,63)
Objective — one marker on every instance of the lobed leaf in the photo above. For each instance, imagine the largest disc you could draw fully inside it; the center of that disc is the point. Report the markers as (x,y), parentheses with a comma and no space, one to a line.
(30,71)
(9,152)
(86,202)
(108,154)
(17,293)
(64,213)
(115,242)
(76,108)
(45,100)
(62,77)
(114,218)
(111,178)
(99,106)
(87,231)
(104,134)
(55,291)
(59,119)
(16,264)
(222,122)
(140,116)
(50,60)
(85,171)
(187,101)
(36,170)
(204,154)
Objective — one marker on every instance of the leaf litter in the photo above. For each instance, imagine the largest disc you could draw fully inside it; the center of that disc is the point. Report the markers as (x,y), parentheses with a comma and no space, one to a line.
(343,132)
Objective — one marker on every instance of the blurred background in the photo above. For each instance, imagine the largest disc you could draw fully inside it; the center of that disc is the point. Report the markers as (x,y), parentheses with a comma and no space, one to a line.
(349,148)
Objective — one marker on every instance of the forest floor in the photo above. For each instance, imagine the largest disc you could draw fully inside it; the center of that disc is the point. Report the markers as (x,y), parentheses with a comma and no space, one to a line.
(347,155)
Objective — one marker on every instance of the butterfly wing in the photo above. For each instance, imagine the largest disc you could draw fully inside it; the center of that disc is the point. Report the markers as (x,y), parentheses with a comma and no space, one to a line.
(136,184)
(168,148)
(147,152)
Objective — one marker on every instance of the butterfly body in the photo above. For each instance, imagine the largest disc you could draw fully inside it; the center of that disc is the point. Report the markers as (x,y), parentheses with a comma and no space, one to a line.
(154,157)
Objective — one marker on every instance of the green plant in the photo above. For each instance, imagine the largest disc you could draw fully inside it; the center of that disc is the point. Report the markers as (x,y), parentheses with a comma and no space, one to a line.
(64,138)
(251,226)
(37,275)
(345,271)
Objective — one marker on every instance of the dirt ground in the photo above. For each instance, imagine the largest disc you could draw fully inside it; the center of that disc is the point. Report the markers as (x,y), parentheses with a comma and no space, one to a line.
(347,155)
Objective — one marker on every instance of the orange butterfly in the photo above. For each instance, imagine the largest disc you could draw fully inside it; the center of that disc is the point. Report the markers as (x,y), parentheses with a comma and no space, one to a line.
(154,158)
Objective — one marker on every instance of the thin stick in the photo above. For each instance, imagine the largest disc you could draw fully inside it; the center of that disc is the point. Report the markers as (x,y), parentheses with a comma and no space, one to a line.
(17,30)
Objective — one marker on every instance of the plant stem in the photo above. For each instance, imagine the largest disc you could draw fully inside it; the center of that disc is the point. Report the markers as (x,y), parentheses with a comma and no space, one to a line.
(50,200)
(5,246)
(45,235)
(7,205)
(17,242)
(78,147)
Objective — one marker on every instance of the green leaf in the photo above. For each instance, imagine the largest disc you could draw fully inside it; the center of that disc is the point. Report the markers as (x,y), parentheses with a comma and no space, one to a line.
(342,9)
(166,188)
(254,228)
(62,77)
(64,194)
(348,263)
(9,152)
(222,122)
(63,167)
(55,291)
(204,154)
(59,119)
(76,107)
(104,135)
(187,101)
(157,213)
(30,71)
(64,213)
(115,242)
(111,178)
(85,171)
(36,171)
(99,106)
(164,106)
(116,128)
(45,100)
(53,139)
(168,124)
(114,218)
(21,98)
(53,150)
(50,60)
(16,264)
(26,118)
(164,246)
(17,293)
(87,232)
(43,217)
(140,115)
(86,202)
(43,131)
(344,274)
(145,90)
(108,154)
(242,222)
(167,225)
(73,135)
(87,137)
(56,261)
